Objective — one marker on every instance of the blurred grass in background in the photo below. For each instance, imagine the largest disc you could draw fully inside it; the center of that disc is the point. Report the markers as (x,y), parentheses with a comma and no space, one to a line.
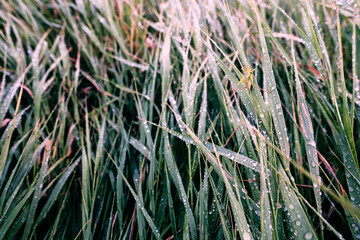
(125,119)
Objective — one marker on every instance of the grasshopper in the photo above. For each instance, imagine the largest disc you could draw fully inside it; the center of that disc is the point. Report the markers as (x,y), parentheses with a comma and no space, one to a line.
(247,78)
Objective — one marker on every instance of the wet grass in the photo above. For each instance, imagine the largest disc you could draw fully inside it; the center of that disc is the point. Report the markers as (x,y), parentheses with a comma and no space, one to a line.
(181,119)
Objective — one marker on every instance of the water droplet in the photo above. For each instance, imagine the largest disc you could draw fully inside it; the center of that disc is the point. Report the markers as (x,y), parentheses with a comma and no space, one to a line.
(308,235)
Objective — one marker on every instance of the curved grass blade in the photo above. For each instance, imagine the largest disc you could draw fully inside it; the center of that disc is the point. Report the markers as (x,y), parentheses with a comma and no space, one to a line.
(175,176)
(14,213)
(238,211)
(140,205)
(37,194)
(236,157)
(308,134)
(56,191)
(274,99)
(3,109)
(223,218)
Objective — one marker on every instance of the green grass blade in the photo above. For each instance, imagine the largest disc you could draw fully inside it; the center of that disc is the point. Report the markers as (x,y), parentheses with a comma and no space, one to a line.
(37,194)
(274,99)
(308,134)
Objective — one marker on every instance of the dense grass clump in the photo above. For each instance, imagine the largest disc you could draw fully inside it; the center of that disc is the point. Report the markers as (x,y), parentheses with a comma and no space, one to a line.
(179,119)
